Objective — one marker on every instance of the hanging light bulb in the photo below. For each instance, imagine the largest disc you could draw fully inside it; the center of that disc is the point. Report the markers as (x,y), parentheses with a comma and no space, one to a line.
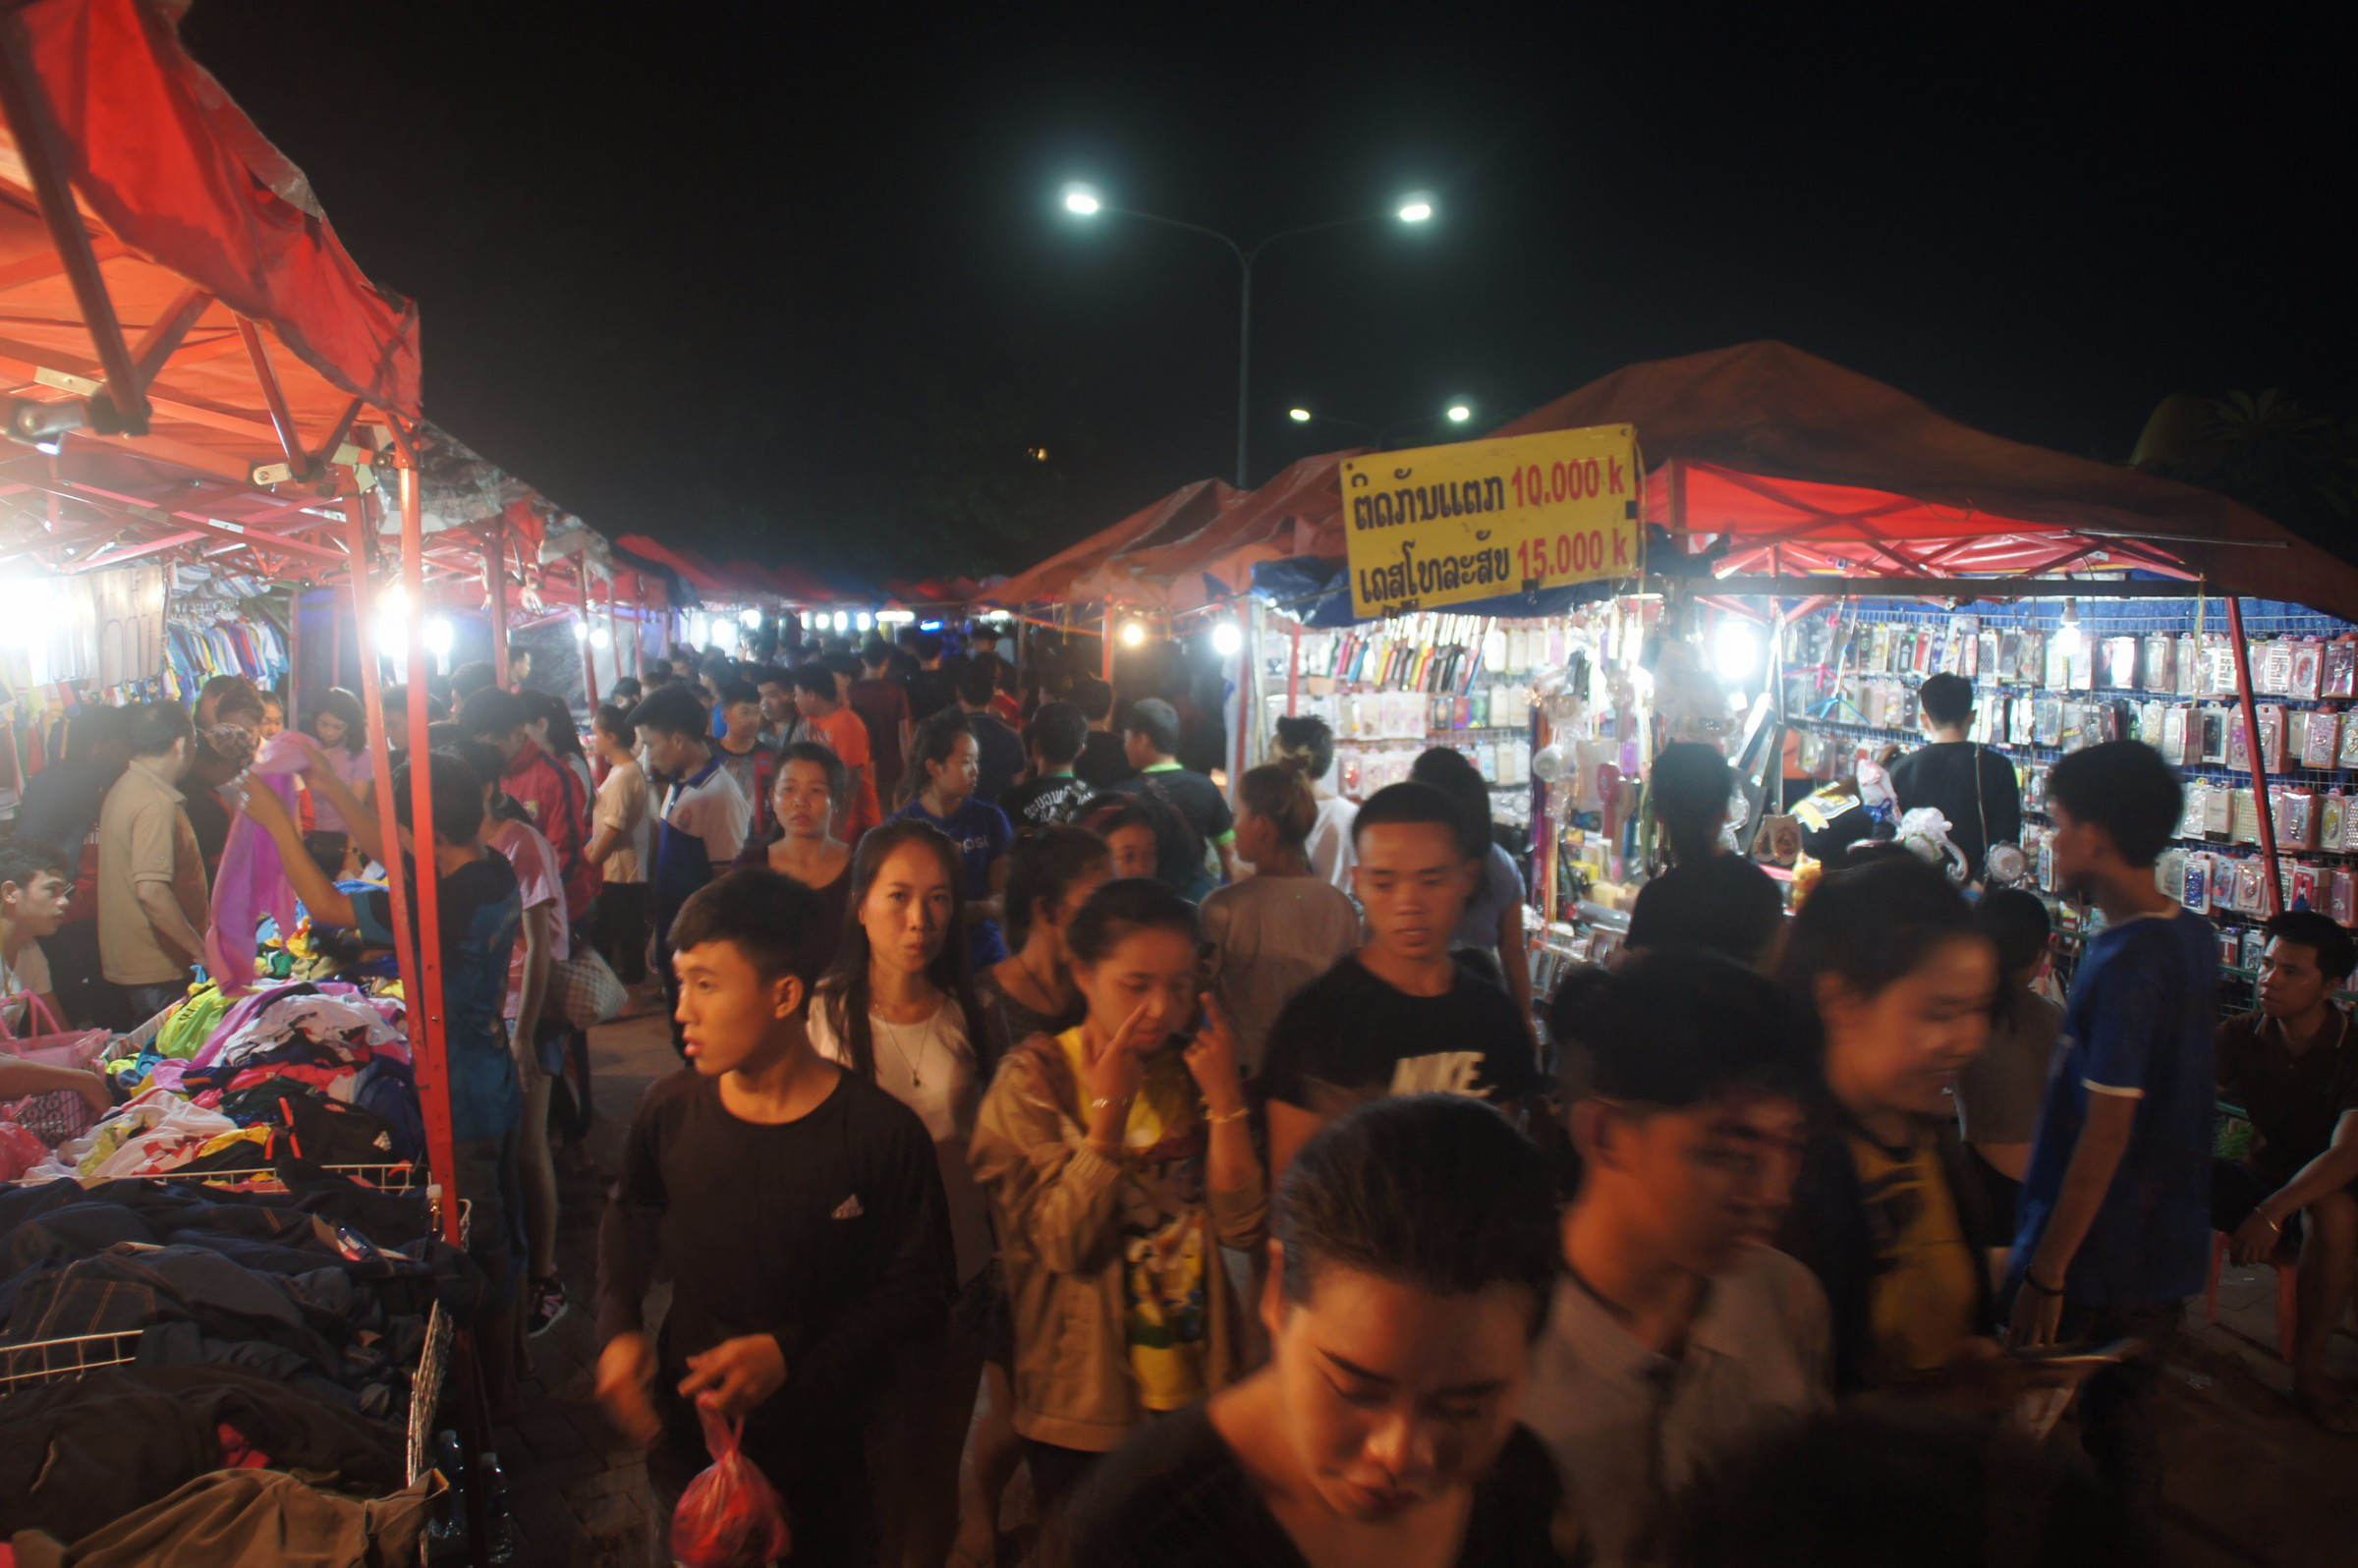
(750,619)
(581,631)
(1227,639)
(599,637)
(1134,634)
(864,620)
(843,621)
(2067,635)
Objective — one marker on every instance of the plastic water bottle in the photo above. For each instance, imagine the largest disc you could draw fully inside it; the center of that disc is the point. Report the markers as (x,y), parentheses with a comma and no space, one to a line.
(499,1527)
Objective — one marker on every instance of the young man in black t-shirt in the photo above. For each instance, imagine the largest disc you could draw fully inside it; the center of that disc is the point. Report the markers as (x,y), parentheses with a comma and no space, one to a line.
(1970,785)
(1399,1016)
(1053,794)
(800,1210)
(1104,761)
(1150,738)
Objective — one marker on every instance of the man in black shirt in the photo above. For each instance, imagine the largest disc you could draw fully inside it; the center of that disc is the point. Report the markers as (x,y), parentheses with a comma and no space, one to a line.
(999,751)
(1418,1250)
(1102,762)
(1150,739)
(930,686)
(1053,794)
(1399,1016)
(799,1209)
(1970,785)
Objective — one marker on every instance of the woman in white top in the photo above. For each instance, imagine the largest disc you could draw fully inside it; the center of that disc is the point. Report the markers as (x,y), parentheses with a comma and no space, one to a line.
(621,847)
(895,1006)
(1283,926)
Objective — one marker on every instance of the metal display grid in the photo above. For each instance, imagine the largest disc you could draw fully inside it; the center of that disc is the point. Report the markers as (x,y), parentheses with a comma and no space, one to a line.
(2097,619)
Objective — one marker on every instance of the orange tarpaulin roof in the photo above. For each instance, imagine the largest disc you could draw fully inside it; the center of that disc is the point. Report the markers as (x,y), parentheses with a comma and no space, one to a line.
(1797,465)
(1181,511)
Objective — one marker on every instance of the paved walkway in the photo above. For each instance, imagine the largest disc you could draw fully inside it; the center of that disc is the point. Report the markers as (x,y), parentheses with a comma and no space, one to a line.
(2251,1484)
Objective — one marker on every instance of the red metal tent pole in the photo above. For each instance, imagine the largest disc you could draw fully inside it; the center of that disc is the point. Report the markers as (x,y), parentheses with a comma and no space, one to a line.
(495,582)
(2250,736)
(432,1091)
(580,567)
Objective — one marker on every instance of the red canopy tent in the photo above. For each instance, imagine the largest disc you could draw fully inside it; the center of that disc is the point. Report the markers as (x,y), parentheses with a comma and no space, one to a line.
(1177,515)
(1798,467)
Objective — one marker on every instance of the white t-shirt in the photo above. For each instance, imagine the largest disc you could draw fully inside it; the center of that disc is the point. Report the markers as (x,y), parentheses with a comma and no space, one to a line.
(929,1067)
(622,807)
(1329,844)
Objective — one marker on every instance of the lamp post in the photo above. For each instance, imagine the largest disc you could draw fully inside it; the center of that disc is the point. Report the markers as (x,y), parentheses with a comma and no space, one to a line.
(1459,411)
(1084,202)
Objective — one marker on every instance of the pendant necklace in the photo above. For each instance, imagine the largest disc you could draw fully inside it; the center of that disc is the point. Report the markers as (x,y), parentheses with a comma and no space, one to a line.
(892,1033)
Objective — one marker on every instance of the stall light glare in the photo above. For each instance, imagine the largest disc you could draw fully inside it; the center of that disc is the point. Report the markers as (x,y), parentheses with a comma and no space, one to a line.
(440,637)
(24,614)
(1298,416)
(863,621)
(1735,650)
(843,622)
(700,629)
(2067,635)
(895,617)
(1460,412)
(1134,633)
(751,619)
(393,623)
(1082,201)
(724,635)
(1227,639)
(599,637)
(581,631)
(930,626)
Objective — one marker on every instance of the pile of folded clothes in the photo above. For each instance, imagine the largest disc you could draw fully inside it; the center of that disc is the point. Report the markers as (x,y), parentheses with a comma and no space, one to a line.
(325,1290)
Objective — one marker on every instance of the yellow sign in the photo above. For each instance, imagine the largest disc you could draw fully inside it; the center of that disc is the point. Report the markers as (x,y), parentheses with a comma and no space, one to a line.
(1445,524)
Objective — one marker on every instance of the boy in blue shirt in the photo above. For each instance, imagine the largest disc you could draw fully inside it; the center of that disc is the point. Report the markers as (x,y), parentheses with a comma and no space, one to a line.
(2116,1205)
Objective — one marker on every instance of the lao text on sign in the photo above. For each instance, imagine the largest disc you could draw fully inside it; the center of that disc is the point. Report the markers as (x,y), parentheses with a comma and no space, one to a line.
(1446,524)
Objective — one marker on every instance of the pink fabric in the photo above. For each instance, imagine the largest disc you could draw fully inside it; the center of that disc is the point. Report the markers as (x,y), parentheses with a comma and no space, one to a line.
(353,768)
(251,881)
(538,880)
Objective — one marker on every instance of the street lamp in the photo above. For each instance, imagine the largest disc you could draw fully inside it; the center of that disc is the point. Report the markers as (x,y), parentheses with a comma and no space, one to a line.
(1457,412)
(1083,200)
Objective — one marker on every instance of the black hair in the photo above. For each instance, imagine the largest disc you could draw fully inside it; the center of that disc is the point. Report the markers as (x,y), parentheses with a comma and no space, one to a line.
(1676,1027)
(475,675)
(1281,796)
(672,709)
(245,698)
(2017,926)
(774,921)
(154,726)
(1449,771)
(273,697)
(978,681)
(98,728)
(1156,720)
(875,653)
(843,663)
(1407,804)
(840,777)
(982,629)
(928,646)
(2126,788)
(1687,790)
(613,720)
(844,990)
(1057,733)
(936,738)
(625,692)
(1043,869)
(337,703)
(1092,697)
(236,691)
(445,736)
(564,737)
(328,852)
(733,692)
(771,675)
(1869,1484)
(1435,1192)
(1131,904)
(23,859)
(1310,738)
(1871,925)
(1107,814)
(492,712)
(1945,699)
(814,678)
(483,758)
(458,797)
(2337,953)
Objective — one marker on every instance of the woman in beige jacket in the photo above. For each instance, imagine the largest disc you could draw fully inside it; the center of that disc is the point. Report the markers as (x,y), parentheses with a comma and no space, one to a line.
(1119,1162)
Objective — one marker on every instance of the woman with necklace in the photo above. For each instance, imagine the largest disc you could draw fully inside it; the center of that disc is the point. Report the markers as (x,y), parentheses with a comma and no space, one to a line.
(809,780)
(895,1008)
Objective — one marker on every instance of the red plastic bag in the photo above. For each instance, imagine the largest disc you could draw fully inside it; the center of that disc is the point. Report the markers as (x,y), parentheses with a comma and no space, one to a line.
(20,1151)
(730,1516)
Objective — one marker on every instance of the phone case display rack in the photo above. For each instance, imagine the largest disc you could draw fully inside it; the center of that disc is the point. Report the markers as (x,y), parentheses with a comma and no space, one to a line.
(2162,671)
(1390,688)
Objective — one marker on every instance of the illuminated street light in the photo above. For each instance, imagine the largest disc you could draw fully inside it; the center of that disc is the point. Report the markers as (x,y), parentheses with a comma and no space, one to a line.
(1298,416)
(1083,200)
(1459,414)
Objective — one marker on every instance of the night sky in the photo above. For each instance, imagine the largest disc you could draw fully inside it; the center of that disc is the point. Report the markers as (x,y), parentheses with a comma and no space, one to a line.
(788,282)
